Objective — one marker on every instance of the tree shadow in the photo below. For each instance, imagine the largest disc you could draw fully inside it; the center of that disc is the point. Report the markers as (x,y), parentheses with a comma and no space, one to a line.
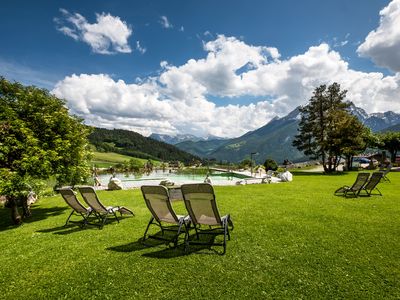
(38,214)
(316,173)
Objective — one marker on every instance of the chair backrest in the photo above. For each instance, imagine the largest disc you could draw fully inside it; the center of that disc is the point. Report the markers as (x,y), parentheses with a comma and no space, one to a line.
(361,180)
(200,203)
(70,198)
(159,204)
(89,195)
(373,181)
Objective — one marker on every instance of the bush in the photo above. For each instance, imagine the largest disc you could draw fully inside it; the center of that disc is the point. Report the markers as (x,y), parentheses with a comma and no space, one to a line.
(270,164)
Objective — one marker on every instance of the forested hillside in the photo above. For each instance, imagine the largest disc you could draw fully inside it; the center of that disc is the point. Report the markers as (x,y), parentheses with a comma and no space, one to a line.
(134,144)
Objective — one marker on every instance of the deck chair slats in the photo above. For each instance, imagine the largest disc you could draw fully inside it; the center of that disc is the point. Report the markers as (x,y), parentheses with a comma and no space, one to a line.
(202,207)
(357,186)
(372,183)
(90,197)
(77,208)
(203,211)
(162,211)
(159,204)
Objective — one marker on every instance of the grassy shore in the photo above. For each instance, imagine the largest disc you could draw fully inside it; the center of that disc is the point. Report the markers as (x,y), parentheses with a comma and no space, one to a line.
(291,240)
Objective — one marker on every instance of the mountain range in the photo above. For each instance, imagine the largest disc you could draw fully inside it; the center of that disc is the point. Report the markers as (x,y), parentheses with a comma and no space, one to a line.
(173,140)
(274,140)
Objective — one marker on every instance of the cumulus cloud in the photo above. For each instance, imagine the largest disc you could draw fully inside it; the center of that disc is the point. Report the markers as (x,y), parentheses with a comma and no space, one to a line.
(107,36)
(383,43)
(179,99)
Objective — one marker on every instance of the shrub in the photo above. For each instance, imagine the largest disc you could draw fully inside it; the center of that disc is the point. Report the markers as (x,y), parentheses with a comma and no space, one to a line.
(270,164)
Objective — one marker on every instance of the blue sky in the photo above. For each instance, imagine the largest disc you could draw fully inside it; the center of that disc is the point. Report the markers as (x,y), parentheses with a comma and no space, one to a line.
(201,67)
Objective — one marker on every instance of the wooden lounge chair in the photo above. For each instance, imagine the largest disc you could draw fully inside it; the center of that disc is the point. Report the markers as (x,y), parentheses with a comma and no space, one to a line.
(202,207)
(372,184)
(77,208)
(355,189)
(102,212)
(158,202)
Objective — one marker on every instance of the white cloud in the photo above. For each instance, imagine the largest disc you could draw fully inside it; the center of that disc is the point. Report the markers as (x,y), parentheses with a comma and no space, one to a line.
(383,43)
(178,100)
(140,48)
(165,23)
(107,36)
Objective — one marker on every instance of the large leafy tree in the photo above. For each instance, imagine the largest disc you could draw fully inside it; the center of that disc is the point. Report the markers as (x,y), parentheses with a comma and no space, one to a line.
(38,139)
(327,131)
(390,141)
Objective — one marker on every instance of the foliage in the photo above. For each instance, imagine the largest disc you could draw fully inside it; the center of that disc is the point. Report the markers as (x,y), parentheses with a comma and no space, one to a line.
(133,144)
(38,139)
(245,163)
(327,130)
(291,241)
(390,141)
(270,164)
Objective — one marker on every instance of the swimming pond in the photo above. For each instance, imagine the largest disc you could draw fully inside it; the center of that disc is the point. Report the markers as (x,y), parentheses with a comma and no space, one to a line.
(132,180)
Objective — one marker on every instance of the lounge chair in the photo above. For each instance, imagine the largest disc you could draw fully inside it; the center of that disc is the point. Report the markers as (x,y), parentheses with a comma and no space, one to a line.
(77,208)
(158,202)
(355,189)
(385,172)
(372,184)
(102,212)
(200,203)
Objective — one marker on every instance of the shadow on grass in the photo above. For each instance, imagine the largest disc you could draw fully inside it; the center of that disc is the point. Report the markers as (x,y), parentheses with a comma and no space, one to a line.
(165,250)
(316,173)
(204,249)
(76,226)
(38,214)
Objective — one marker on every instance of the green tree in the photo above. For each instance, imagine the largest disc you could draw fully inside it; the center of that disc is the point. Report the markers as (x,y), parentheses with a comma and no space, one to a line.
(390,141)
(270,164)
(326,130)
(350,137)
(38,139)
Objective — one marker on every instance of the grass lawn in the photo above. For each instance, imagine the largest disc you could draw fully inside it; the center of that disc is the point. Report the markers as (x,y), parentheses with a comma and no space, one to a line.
(291,240)
(108,159)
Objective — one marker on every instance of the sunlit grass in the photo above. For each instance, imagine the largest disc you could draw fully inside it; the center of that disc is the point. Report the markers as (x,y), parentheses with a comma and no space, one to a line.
(109,159)
(291,240)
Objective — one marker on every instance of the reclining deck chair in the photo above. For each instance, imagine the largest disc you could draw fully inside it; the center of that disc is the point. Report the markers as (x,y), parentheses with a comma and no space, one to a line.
(372,184)
(158,202)
(102,212)
(355,189)
(77,208)
(385,172)
(202,207)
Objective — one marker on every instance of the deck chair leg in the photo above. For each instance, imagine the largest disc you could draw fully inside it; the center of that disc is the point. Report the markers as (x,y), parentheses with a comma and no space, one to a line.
(378,191)
(104,219)
(177,234)
(66,223)
(115,215)
(225,234)
(197,232)
(147,228)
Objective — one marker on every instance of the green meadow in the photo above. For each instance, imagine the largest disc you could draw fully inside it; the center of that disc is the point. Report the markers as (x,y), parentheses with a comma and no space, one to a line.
(291,240)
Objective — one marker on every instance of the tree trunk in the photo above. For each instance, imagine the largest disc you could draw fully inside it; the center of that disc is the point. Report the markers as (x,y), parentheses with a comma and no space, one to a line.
(26,208)
(15,216)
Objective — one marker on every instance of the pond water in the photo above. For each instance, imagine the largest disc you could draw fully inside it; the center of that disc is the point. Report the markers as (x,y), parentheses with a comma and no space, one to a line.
(130,180)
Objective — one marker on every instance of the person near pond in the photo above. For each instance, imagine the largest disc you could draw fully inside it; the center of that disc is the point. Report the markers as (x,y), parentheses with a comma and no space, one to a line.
(97,181)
